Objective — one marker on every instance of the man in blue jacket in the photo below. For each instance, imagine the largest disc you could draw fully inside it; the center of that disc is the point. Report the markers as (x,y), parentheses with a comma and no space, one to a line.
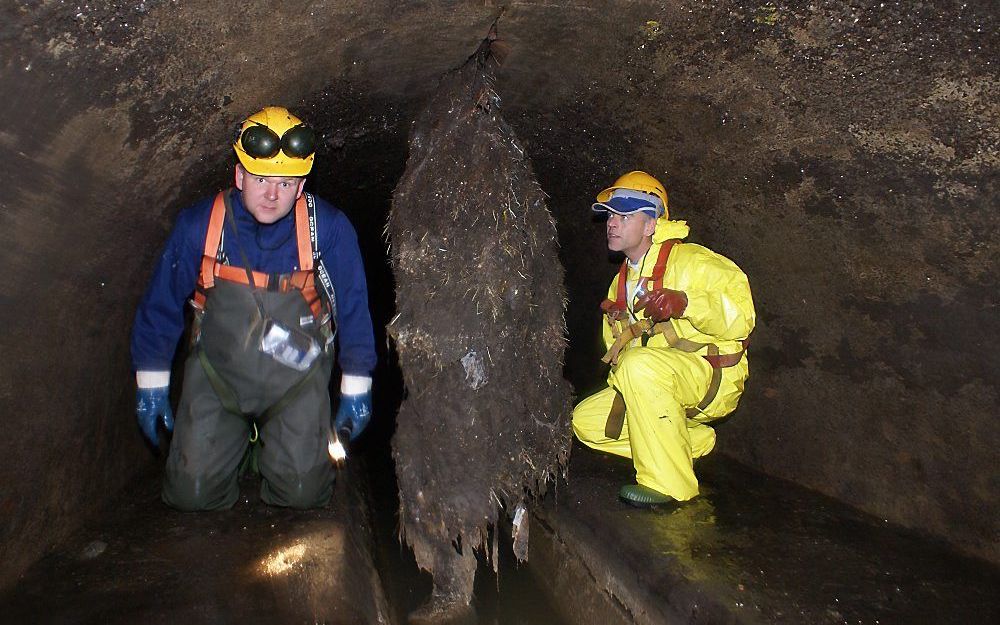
(273,275)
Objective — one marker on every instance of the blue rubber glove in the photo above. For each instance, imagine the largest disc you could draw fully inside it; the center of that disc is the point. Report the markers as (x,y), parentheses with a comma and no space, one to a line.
(152,405)
(354,413)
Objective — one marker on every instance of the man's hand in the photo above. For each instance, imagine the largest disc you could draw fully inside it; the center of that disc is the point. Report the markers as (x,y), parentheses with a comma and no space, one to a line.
(662,304)
(615,311)
(151,406)
(354,413)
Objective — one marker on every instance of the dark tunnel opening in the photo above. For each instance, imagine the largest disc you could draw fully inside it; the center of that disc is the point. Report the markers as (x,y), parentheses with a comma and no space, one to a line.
(845,155)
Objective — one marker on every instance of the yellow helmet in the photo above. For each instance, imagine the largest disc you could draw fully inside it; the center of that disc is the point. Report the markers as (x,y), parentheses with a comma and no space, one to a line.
(637,181)
(273,142)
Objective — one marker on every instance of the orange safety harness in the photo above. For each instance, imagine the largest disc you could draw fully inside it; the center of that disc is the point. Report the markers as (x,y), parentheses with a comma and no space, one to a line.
(656,280)
(624,335)
(213,265)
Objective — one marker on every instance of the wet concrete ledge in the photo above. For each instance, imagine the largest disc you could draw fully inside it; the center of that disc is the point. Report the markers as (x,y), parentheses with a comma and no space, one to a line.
(146,563)
(750,549)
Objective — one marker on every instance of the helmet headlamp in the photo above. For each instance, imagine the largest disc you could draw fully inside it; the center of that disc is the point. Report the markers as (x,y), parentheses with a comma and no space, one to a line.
(259,141)
(273,142)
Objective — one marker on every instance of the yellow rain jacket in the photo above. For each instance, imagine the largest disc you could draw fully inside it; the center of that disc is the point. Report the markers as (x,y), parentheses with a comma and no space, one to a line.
(665,379)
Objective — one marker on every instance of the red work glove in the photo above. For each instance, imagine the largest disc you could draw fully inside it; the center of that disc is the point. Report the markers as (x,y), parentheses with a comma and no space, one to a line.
(662,304)
(615,311)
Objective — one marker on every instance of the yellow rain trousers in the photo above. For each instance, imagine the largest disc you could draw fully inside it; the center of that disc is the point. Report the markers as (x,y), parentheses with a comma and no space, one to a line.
(661,385)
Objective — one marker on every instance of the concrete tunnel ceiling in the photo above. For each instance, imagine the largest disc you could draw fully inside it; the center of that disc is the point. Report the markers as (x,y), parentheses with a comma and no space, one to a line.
(844,154)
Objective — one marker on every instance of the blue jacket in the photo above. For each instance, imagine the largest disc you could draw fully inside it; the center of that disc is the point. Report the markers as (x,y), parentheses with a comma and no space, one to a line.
(159,321)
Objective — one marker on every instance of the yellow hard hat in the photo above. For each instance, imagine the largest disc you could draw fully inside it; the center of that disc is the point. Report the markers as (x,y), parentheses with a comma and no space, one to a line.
(637,181)
(273,142)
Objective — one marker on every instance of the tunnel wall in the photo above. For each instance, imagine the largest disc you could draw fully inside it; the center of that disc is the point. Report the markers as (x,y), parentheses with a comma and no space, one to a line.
(116,116)
(846,158)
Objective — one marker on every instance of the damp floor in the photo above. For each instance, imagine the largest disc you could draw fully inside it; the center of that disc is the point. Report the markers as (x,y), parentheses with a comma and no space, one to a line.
(145,563)
(753,549)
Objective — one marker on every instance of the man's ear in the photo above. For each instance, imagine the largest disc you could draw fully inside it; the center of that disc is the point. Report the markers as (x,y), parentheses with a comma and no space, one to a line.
(650,226)
(238,176)
(302,184)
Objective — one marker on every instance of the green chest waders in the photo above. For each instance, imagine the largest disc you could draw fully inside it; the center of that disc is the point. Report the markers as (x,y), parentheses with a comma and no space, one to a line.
(247,380)
(230,383)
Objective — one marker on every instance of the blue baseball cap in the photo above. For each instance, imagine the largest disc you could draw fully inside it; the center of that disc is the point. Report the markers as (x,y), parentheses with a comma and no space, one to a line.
(628,201)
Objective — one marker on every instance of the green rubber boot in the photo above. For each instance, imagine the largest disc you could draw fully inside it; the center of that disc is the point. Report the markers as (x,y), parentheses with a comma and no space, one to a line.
(642,496)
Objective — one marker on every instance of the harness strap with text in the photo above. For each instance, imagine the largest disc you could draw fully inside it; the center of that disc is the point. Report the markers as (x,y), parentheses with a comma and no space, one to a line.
(324,277)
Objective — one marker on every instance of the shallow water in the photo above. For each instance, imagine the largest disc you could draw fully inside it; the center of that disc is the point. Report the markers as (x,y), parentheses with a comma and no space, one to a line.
(143,562)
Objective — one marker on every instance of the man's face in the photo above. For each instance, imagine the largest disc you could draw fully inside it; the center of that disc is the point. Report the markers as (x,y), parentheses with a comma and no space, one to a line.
(629,233)
(268,198)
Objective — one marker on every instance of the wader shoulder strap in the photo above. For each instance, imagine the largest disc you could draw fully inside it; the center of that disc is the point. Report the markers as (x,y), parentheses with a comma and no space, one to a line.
(243,256)
(291,393)
(225,394)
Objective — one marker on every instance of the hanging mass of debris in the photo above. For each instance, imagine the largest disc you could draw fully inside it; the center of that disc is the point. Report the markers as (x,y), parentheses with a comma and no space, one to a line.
(480,332)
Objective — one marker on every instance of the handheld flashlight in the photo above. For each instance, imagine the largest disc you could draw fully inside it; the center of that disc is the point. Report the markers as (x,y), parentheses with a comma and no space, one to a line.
(336,447)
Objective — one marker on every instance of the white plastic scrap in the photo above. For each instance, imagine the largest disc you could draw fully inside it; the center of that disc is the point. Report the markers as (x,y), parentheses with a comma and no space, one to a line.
(475,370)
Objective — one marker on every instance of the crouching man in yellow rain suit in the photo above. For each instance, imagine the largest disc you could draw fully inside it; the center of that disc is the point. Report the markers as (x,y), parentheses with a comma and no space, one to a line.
(675,324)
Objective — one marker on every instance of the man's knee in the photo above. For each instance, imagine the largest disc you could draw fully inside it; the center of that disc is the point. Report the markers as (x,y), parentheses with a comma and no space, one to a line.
(580,417)
(581,426)
(590,414)
(193,493)
(310,490)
